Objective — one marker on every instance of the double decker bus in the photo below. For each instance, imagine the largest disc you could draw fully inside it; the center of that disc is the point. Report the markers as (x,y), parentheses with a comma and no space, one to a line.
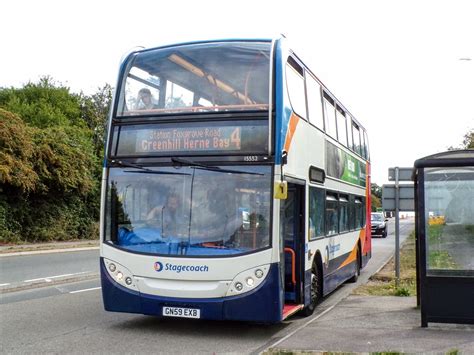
(235,185)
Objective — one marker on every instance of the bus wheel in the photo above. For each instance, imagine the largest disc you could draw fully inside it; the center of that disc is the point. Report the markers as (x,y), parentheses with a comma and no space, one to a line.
(316,291)
(358,263)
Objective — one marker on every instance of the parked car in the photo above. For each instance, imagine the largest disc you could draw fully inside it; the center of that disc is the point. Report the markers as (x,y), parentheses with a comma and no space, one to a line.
(379,224)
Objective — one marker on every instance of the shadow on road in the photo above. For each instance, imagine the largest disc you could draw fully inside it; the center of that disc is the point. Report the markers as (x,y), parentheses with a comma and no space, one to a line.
(189,327)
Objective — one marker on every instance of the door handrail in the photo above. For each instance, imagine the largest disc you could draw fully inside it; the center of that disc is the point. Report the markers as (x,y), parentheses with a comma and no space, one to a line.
(293,264)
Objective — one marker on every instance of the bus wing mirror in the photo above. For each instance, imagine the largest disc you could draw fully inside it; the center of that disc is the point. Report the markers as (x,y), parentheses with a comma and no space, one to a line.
(284,158)
(281,190)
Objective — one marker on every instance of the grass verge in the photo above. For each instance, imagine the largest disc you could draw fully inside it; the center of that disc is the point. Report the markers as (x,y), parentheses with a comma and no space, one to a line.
(383,282)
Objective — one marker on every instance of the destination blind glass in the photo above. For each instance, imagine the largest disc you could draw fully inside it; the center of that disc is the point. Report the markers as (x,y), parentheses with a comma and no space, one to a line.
(191,138)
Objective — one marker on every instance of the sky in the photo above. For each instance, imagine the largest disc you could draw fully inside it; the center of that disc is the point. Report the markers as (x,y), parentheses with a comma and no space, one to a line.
(404,68)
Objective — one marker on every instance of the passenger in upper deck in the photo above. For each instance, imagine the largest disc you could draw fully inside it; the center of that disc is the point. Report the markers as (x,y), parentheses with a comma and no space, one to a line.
(145,100)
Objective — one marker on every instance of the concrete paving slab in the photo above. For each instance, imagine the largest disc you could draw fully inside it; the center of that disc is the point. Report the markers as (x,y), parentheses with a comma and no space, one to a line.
(379,324)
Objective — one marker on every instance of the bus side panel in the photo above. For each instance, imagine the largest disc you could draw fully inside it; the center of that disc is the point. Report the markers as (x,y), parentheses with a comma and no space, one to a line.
(332,281)
(263,304)
(335,273)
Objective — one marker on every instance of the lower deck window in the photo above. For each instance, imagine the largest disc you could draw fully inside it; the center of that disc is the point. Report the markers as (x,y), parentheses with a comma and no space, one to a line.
(332,213)
(316,212)
(332,220)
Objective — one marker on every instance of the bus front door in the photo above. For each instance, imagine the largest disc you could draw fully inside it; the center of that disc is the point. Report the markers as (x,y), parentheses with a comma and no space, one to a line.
(292,229)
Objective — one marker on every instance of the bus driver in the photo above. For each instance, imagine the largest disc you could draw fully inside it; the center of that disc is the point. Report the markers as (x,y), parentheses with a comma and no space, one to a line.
(167,216)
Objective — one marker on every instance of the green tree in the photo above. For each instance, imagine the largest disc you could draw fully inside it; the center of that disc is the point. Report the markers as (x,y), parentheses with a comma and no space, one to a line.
(43,104)
(376,190)
(375,203)
(376,196)
(16,153)
(468,142)
(94,112)
(49,166)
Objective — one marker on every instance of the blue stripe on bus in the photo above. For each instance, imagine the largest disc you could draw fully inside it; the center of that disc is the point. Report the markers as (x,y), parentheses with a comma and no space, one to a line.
(264,304)
(283,112)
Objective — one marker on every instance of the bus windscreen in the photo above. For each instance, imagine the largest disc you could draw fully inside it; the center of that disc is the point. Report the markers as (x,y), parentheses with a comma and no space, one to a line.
(210,77)
(193,211)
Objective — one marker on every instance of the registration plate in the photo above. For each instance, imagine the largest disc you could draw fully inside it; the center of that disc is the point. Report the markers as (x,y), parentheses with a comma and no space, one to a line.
(181,312)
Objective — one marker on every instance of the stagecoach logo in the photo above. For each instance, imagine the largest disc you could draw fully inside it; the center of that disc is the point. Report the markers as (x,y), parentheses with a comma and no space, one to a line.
(180,268)
(158,266)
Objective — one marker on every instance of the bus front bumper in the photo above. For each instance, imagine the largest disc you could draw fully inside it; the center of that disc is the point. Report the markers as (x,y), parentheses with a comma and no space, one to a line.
(264,304)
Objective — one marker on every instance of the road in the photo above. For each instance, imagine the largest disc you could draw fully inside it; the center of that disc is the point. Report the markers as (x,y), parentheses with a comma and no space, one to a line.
(22,270)
(70,318)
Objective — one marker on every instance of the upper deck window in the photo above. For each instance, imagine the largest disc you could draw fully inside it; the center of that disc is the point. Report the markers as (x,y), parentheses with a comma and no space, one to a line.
(206,77)
(314,102)
(330,116)
(356,139)
(295,84)
(341,125)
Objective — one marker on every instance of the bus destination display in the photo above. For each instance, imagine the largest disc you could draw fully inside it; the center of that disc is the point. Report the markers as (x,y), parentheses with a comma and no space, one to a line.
(192,138)
(189,139)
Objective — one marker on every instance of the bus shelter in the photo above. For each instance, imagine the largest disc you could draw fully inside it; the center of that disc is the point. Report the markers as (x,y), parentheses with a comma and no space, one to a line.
(444,202)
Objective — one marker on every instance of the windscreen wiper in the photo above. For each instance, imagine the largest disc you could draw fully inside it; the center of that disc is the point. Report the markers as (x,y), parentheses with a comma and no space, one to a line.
(129,165)
(191,163)
(143,169)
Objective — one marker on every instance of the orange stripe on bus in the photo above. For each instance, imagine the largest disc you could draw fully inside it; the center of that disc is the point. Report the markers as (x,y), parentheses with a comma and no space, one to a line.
(362,239)
(353,255)
(294,119)
(351,258)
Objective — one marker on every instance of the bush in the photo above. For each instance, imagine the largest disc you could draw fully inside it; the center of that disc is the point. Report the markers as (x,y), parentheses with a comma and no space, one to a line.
(49,169)
(402,291)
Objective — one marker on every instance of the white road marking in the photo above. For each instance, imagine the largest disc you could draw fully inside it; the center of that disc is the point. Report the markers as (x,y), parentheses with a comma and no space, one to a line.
(86,289)
(48,278)
(4,285)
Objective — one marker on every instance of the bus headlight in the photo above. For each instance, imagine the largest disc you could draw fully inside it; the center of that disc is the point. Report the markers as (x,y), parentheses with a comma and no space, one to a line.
(248,280)
(120,274)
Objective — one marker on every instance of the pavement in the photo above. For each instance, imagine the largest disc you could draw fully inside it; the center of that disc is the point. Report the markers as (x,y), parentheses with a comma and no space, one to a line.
(368,324)
(39,248)
(357,324)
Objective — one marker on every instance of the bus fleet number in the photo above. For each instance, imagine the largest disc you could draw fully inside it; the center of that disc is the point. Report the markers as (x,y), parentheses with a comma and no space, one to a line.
(251,158)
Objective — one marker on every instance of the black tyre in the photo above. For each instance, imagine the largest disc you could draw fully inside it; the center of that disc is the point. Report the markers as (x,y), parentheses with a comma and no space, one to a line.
(385,232)
(316,291)
(357,266)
